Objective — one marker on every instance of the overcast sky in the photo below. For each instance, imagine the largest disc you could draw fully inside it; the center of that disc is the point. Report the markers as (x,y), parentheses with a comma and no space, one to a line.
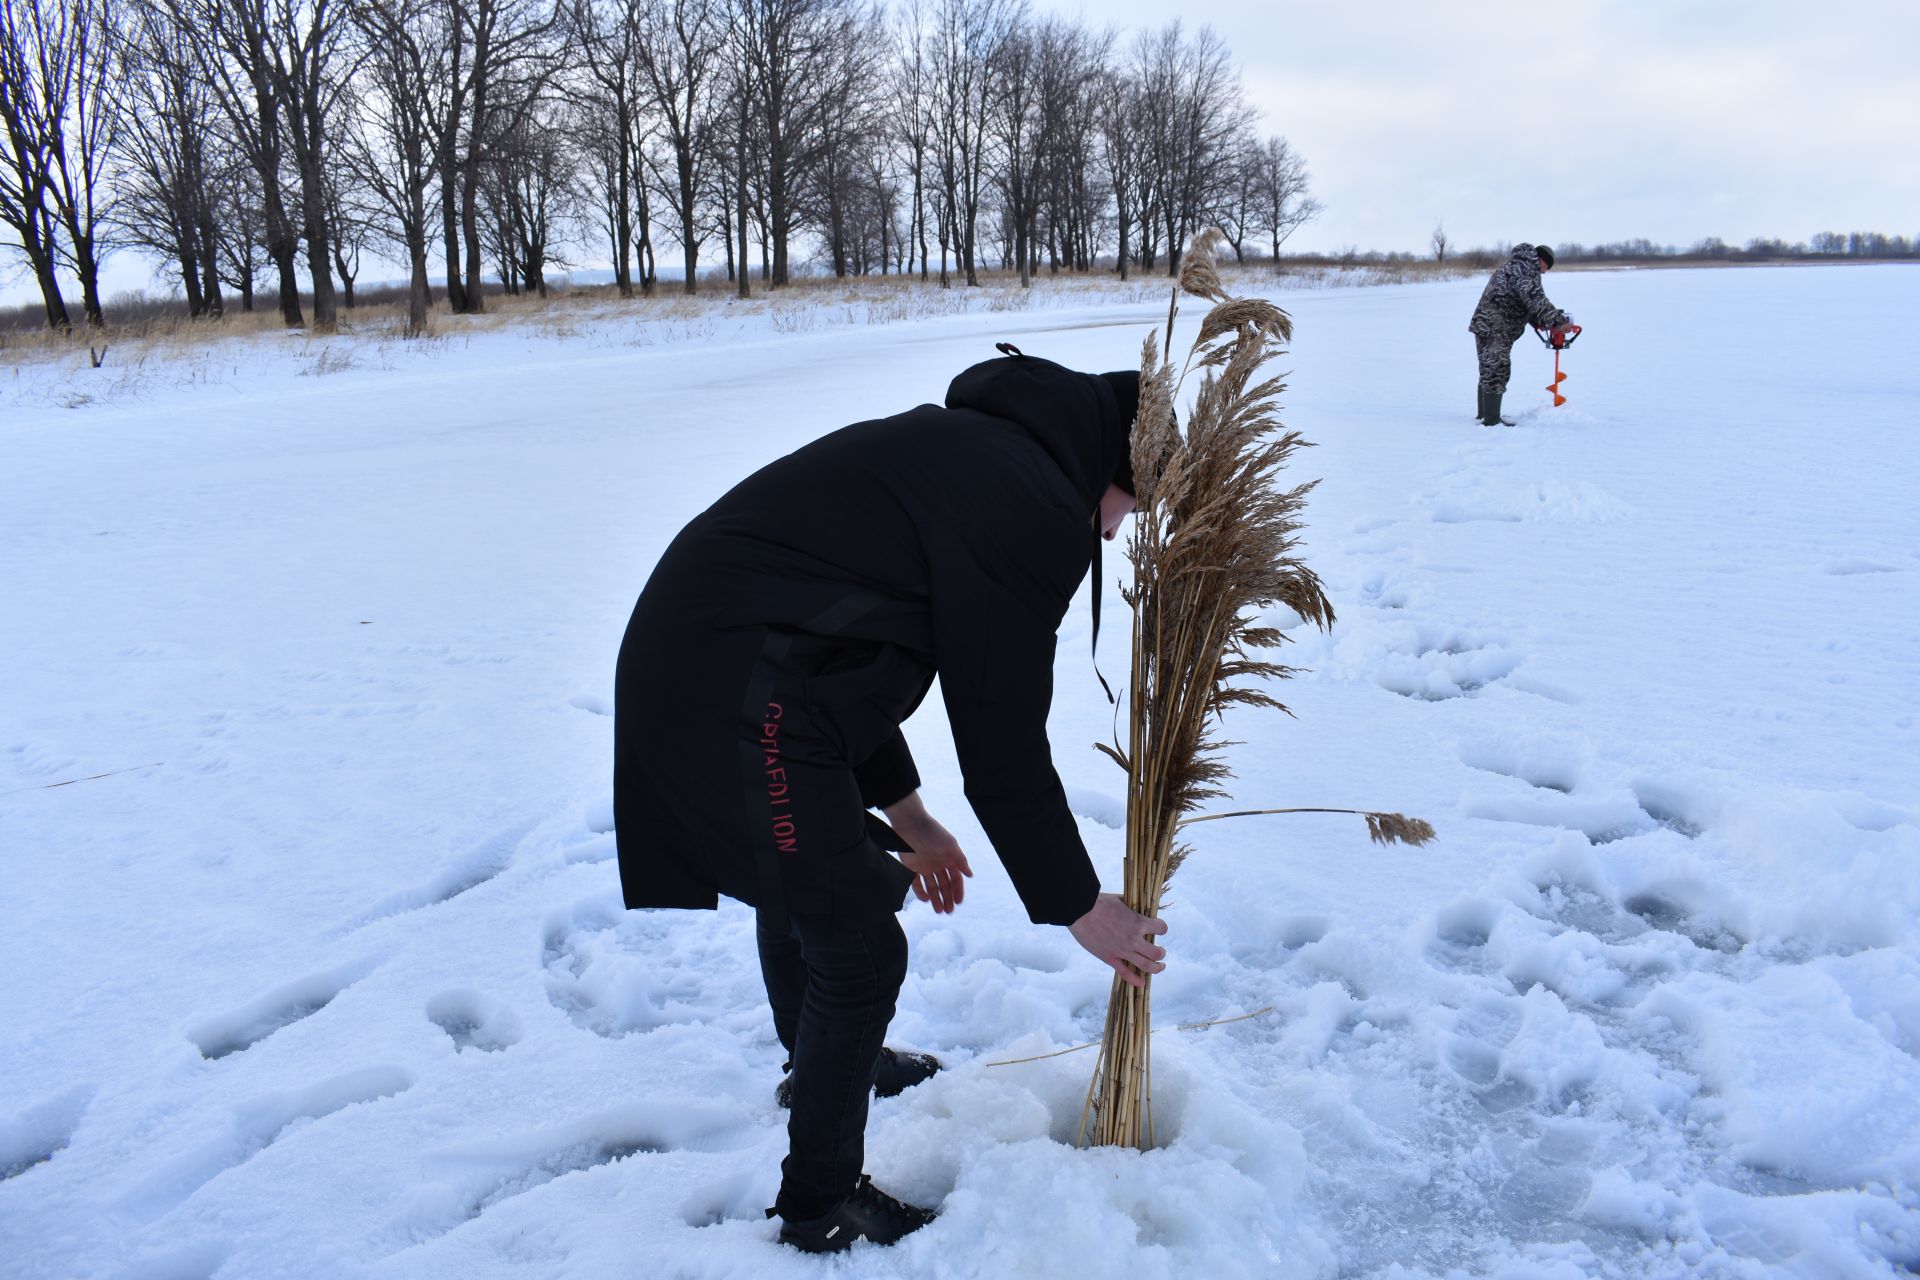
(1584,120)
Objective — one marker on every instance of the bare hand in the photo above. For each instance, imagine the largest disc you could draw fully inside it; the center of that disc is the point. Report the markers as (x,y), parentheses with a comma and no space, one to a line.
(1119,936)
(939,866)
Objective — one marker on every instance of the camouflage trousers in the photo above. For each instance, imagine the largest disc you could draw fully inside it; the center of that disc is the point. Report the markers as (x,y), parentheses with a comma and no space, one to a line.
(1496,363)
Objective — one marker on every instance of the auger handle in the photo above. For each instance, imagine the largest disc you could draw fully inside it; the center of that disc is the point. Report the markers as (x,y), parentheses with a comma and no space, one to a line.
(1560,337)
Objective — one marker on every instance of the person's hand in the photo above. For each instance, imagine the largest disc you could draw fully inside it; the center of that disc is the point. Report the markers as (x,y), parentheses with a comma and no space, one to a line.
(1119,936)
(938,864)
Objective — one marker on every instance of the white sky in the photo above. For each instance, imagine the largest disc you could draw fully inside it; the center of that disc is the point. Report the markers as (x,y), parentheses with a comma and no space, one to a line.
(1582,120)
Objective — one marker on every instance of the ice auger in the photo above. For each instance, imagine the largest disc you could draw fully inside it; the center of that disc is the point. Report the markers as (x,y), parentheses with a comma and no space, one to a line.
(1560,337)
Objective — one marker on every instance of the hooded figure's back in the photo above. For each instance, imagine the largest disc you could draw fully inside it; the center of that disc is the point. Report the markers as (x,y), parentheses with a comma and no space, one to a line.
(944,540)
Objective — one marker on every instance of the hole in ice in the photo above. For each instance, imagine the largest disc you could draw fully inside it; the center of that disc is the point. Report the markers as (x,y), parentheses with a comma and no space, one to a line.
(1656,911)
(1473,1062)
(1670,809)
(1300,931)
(471,1022)
(1539,1192)
(1466,924)
(1506,1095)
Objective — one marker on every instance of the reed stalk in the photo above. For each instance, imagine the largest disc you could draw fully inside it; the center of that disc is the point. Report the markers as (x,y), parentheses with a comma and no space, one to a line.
(1213,548)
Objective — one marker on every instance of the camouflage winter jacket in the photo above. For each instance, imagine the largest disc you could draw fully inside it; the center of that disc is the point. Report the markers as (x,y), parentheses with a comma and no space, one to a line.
(1514,299)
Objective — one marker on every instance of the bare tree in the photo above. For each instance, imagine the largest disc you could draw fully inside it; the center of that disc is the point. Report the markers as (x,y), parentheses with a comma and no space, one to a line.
(608,34)
(792,54)
(1013,120)
(1237,209)
(234,52)
(678,60)
(393,152)
(503,54)
(834,193)
(911,117)
(241,247)
(967,38)
(1193,118)
(1439,242)
(1285,206)
(1122,142)
(528,171)
(1071,59)
(57,109)
(303,41)
(170,151)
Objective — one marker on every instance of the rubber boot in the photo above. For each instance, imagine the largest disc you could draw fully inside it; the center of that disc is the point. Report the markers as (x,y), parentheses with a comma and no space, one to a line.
(1490,409)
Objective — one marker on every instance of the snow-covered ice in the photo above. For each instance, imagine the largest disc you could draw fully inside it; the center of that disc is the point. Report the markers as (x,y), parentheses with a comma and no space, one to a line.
(328,975)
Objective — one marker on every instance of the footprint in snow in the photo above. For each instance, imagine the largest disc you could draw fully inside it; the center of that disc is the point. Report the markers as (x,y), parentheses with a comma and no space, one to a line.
(201,1260)
(477,1178)
(1603,815)
(42,1132)
(1437,663)
(240,1029)
(256,1126)
(615,972)
(1541,763)
(462,875)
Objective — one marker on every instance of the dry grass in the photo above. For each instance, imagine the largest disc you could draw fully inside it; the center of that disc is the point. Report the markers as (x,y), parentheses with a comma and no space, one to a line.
(1214,547)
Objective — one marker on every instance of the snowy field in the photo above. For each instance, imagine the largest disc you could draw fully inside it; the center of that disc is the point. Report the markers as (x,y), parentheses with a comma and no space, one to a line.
(329,977)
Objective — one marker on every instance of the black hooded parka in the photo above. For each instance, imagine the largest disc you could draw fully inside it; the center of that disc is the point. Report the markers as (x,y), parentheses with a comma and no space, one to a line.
(791,627)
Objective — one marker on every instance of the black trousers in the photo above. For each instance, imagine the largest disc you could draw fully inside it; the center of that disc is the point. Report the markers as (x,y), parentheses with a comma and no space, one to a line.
(832,984)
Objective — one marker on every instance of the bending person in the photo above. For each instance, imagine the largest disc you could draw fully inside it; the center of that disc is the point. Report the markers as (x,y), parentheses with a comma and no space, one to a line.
(1513,299)
(783,638)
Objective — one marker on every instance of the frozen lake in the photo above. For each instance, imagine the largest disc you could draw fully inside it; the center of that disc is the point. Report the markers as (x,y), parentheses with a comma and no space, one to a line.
(329,976)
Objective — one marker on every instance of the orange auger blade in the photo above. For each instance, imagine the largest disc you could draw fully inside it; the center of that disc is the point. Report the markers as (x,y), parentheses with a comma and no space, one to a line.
(1558,378)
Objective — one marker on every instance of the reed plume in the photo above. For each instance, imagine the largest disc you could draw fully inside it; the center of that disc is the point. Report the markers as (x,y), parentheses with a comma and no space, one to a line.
(1214,546)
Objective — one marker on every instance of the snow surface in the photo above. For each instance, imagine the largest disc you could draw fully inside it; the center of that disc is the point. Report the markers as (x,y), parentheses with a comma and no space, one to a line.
(329,977)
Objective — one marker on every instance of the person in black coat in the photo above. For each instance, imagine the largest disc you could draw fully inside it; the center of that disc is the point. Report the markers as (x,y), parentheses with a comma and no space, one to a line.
(783,638)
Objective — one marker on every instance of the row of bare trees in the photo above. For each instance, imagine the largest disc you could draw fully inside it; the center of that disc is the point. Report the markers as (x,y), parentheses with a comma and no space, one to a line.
(256,146)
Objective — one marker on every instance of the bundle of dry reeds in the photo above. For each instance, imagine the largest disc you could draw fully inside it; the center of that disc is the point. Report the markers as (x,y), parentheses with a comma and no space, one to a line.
(1213,547)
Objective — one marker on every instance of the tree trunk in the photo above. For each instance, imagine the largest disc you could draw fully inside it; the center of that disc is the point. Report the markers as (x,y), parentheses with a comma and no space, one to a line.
(88,269)
(190,277)
(470,232)
(326,311)
(210,269)
(450,231)
(417,300)
(40,255)
(740,192)
(284,263)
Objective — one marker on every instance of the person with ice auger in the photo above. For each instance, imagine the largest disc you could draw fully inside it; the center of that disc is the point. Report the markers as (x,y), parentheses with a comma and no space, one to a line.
(783,638)
(1513,299)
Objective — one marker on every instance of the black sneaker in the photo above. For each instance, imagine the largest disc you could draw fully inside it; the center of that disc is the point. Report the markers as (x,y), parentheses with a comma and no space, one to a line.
(868,1214)
(898,1071)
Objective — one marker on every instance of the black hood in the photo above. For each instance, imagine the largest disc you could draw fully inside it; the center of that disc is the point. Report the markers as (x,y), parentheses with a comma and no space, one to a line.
(1074,416)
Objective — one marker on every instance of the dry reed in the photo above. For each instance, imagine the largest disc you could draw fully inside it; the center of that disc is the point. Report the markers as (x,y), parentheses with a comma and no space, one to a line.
(1213,547)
